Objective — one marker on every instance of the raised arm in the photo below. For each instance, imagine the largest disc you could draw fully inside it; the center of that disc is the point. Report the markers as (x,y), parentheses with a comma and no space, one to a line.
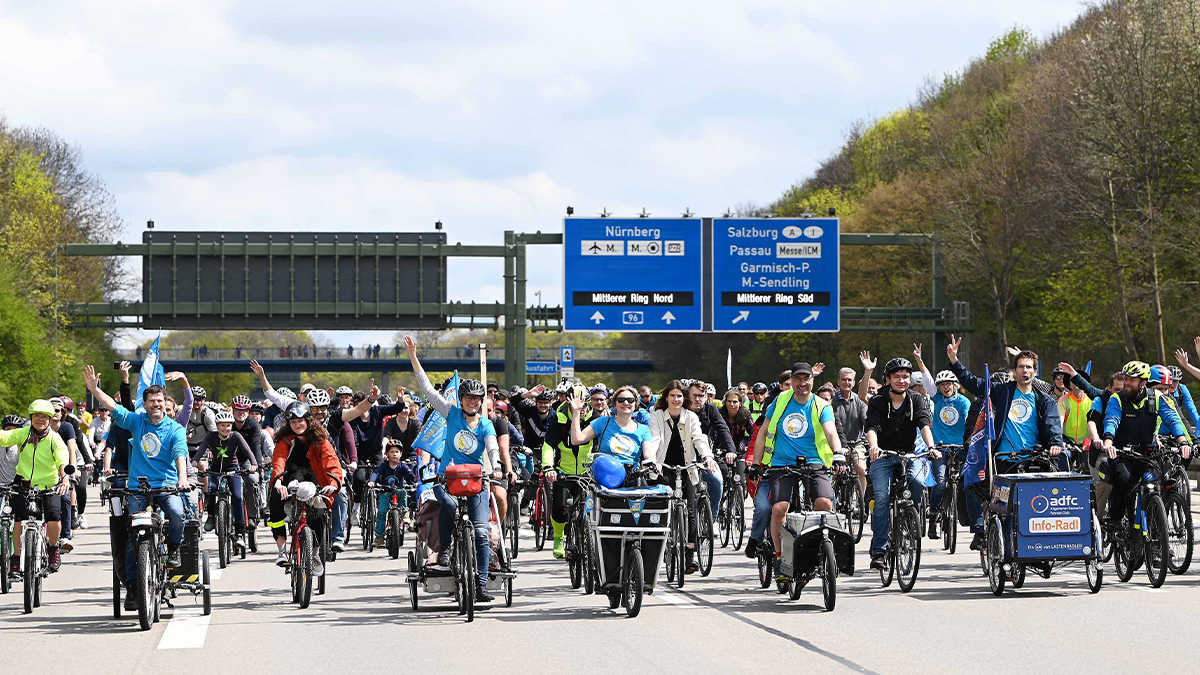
(363,405)
(432,395)
(868,365)
(92,382)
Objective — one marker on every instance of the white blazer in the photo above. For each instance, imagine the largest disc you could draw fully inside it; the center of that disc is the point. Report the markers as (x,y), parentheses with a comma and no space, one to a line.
(695,443)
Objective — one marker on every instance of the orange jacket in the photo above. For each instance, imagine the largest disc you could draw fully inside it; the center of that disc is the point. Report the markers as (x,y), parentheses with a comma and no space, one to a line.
(322,456)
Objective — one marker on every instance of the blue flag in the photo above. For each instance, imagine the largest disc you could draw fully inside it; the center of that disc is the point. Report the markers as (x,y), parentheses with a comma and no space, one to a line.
(982,437)
(432,438)
(924,470)
(151,372)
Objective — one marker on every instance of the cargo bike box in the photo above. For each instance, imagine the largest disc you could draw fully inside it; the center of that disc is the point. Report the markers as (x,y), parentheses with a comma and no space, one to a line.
(624,520)
(803,533)
(1046,516)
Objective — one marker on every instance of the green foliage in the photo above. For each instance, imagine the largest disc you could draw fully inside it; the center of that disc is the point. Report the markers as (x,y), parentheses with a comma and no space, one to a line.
(1016,43)
(29,363)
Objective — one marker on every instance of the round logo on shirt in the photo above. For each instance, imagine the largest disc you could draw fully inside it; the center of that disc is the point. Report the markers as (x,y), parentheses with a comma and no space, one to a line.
(465,442)
(622,445)
(151,445)
(1020,411)
(795,425)
(949,415)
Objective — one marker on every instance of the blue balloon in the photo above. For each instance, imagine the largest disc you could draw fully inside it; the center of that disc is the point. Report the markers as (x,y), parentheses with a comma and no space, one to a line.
(608,471)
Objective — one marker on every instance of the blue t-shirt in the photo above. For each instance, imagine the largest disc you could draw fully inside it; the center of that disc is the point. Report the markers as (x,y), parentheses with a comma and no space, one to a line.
(795,437)
(611,439)
(949,418)
(155,447)
(1021,425)
(463,444)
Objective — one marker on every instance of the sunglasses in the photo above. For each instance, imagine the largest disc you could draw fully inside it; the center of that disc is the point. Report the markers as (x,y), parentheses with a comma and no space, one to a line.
(319,408)
(625,399)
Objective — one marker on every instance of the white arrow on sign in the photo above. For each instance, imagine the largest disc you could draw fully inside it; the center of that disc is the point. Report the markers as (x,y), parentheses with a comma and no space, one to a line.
(597,317)
(811,315)
(668,317)
(744,314)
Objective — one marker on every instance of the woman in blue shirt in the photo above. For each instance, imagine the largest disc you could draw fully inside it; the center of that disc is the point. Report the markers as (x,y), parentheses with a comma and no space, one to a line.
(950,410)
(618,435)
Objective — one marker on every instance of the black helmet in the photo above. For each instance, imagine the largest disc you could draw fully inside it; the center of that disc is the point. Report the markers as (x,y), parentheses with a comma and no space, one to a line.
(14,421)
(546,396)
(759,388)
(297,410)
(898,363)
(471,388)
(384,400)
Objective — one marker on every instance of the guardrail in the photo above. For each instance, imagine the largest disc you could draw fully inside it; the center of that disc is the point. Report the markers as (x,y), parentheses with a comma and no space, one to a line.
(360,353)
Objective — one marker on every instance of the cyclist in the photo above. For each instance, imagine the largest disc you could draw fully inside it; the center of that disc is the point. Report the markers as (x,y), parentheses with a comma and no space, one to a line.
(502,458)
(159,454)
(598,397)
(469,438)
(756,404)
(949,414)
(302,453)
(345,396)
(1131,419)
(895,416)
(9,456)
(61,425)
(1181,394)
(619,435)
(227,447)
(719,440)
(41,462)
(809,436)
(1073,404)
(202,420)
(404,427)
(1161,381)
(560,456)
(680,439)
(1183,399)
(850,413)
(1025,415)
(737,419)
(393,471)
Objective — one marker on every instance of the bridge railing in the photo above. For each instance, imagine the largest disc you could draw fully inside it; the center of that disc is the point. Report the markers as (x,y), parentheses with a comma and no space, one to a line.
(360,353)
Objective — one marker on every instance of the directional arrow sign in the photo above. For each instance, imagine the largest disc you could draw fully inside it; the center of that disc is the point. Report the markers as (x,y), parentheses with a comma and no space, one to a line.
(785,269)
(646,274)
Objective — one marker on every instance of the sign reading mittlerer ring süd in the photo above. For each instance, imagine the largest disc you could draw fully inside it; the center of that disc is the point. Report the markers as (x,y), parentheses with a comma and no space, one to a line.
(776,274)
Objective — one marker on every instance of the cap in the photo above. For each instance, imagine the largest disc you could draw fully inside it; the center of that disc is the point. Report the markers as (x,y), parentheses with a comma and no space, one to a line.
(801,367)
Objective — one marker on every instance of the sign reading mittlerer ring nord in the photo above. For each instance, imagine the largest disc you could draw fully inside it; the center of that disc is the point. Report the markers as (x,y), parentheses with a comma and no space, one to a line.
(776,274)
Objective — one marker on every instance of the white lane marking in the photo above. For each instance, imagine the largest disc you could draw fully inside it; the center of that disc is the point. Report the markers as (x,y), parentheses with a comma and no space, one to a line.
(215,574)
(185,630)
(673,599)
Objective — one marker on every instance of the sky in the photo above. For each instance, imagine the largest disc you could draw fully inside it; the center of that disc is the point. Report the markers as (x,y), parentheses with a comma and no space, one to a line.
(488,116)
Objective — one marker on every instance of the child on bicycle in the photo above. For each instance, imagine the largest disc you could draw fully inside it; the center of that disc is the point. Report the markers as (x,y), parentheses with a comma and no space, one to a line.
(391,471)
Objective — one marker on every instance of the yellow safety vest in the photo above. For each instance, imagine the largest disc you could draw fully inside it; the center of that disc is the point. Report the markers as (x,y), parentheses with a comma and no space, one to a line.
(824,451)
(1075,420)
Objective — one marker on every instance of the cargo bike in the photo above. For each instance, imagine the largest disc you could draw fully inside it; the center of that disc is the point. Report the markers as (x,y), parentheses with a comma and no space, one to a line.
(460,482)
(1040,521)
(814,544)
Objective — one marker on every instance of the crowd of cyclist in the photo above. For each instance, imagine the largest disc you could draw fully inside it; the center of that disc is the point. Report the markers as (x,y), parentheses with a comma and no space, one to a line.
(347,442)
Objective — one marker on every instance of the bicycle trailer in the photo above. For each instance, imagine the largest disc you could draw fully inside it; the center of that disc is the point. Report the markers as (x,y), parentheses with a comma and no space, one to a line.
(803,533)
(620,516)
(1046,516)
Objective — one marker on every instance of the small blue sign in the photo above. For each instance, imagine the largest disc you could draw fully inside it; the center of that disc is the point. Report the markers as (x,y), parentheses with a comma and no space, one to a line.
(632,274)
(776,274)
(566,356)
(541,367)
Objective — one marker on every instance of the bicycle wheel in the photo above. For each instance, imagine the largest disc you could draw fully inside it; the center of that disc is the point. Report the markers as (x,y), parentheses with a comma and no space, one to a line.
(1182,483)
(1018,578)
(395,531)
(680,546)
(1179,526)
(1122,555)
(766,567)
(469,571)
(738,516)
(704,536)
(412,585)
(1158,544)
(632,586)
(589,563)
(514,525)
(994,547)
(206,579)
(829,573)
(724,526)
(859,519)
(1093,568)
(950,518)
(366,522)
(252,535)
(541,515)
(29,548)
(6,554)
(574,553)
(145,583)
(224,542)
(304,567)
(889,571)
(908,548)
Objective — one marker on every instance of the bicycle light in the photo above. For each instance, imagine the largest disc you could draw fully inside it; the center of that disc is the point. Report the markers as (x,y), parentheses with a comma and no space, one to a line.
(908,494)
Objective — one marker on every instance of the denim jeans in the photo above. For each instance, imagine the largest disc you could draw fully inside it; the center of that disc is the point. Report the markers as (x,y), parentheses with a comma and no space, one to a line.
(385,503)
(237,504)
(477,506)
(716,485)
(938,468)
(881,482)
(339,517)
(762,511)
(172,506)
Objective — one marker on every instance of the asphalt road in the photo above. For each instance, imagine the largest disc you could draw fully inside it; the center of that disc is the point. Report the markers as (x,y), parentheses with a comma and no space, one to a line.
(725,623)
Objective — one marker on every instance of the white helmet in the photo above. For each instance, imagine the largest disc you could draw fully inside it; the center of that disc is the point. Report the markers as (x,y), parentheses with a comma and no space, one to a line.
(344,391)
(318,397)
(945,376)
(224,417)
(306,491)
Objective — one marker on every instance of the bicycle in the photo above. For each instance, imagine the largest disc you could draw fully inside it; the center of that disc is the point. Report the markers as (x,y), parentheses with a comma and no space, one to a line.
(35,564)
(512,517)
(903,552)
(949,517)
(227,542)
(676,547)
(577,539)
(368,508)
(1143,533)
(6,542)
(539,515)
(302,541)
(1030,460)
(256,499)
(801,502)
(393,529)
(1176,500)
(463,563)
(731,514)
(848,494)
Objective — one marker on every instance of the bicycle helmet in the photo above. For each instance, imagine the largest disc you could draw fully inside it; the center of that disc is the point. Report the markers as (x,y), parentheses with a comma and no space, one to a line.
(199,393)
(384,399)
(297,410)
(1059,371)
(1176,373)
(240,402)
(918,380)
(344,391)
(896,364)
(608,471)
(318,397)
(14,421)
(579,392)
(41,407)
(471,388)
(1001,377)
(257,407)
(1139,369)
(68,403)
(306,491)
(307,387)
(546,396)
(224,417)
(945,376)
(284,391)
(56,401)
(759,388)
(712,391)
(563,387)
(1160,375)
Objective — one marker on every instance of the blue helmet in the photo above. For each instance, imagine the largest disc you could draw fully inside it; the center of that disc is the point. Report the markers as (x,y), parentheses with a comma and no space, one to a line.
(608,471)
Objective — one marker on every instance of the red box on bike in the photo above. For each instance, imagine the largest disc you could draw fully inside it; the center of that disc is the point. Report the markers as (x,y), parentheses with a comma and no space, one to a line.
(464,480)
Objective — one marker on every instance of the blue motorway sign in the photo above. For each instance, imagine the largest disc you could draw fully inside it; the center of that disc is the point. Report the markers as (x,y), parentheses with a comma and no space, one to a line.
(776,274)
(541,367)
(566,356)
(632,274)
